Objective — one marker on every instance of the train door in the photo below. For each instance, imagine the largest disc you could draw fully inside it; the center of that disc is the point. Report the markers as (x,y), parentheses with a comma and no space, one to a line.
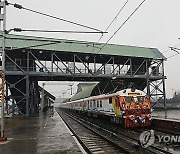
(88,105)
(94,104)
(116,105)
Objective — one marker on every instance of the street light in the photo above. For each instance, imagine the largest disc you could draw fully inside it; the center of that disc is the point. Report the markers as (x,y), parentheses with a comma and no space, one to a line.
(71,84)
(42,96)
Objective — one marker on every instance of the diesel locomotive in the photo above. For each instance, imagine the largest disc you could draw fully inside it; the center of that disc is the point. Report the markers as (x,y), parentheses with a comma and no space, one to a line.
(129,107)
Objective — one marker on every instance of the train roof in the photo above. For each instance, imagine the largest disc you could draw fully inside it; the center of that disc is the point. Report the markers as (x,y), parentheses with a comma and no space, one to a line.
(124,92)
(86,92)
(128,92)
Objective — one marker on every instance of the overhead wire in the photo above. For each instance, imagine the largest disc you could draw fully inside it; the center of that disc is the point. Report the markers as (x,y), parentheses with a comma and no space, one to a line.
(111,23)
(175,50)
(117,15)
(51,31)
(33,46)
(95,45)
(172,56)
(51,40)
(170,49)
(122,25)
(21,7)
(51,16)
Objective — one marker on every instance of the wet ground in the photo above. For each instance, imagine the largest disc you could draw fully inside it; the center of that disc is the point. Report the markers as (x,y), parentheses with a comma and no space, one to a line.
(48,135)
(43,134)
(168,114)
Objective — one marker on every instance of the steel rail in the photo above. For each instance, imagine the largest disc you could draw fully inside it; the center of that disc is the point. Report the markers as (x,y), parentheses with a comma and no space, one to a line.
(77,137)
(152,148)
(124,150)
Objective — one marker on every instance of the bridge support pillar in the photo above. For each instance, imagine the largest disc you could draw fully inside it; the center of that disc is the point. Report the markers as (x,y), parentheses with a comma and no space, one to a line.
(27,95)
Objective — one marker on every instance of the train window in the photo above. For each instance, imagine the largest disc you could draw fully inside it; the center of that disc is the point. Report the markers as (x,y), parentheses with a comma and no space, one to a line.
(90,104)
(110,100)
(97,103)
(94,103)
(100,103)
(141,99)
(129,99)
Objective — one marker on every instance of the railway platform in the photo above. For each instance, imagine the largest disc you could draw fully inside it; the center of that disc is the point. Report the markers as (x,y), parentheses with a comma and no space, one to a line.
(43,134)
(169,114)
(167,119)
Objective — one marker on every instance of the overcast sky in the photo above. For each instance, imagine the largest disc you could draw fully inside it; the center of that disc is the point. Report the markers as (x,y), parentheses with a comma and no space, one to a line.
(156,24)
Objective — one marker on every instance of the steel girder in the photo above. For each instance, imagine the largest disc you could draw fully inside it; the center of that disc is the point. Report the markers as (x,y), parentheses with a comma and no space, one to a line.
(43,65)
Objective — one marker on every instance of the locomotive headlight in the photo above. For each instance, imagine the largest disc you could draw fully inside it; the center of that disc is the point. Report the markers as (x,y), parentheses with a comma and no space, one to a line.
(134,121)
(152,109)
(143,120)
(150,118)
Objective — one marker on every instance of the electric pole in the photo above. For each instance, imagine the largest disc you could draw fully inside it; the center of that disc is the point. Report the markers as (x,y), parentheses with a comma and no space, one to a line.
(2,52)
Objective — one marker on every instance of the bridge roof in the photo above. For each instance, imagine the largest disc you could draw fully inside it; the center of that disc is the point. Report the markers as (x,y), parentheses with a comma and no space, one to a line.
(47,93)
(59,45)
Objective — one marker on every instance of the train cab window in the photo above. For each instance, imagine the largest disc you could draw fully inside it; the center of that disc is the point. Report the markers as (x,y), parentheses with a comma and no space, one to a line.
(129,99)
(100,103)
(97,103)
(110,100)
(141,99)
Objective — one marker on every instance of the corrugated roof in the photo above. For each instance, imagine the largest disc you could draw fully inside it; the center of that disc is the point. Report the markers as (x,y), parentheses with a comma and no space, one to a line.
(81,86)
(52,44)
(47,93)
(86,92)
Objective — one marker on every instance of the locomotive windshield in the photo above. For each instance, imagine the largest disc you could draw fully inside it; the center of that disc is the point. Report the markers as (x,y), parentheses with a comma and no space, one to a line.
(138,99)
(141,99)
(129,99)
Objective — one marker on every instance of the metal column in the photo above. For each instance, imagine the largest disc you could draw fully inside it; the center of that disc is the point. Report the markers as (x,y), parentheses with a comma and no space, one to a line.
(27,86)
(27,95)
(2,32)
(147,79)
(164,88)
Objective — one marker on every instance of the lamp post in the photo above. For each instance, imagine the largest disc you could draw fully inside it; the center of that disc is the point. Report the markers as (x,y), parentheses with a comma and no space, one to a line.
(42,97)
(71,89)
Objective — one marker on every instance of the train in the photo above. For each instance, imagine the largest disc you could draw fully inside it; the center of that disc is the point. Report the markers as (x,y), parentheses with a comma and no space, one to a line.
(130,107)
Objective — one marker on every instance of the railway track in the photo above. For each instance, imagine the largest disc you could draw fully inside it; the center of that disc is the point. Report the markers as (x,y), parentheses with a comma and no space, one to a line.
(91,140)
(126,141)
(173,147)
